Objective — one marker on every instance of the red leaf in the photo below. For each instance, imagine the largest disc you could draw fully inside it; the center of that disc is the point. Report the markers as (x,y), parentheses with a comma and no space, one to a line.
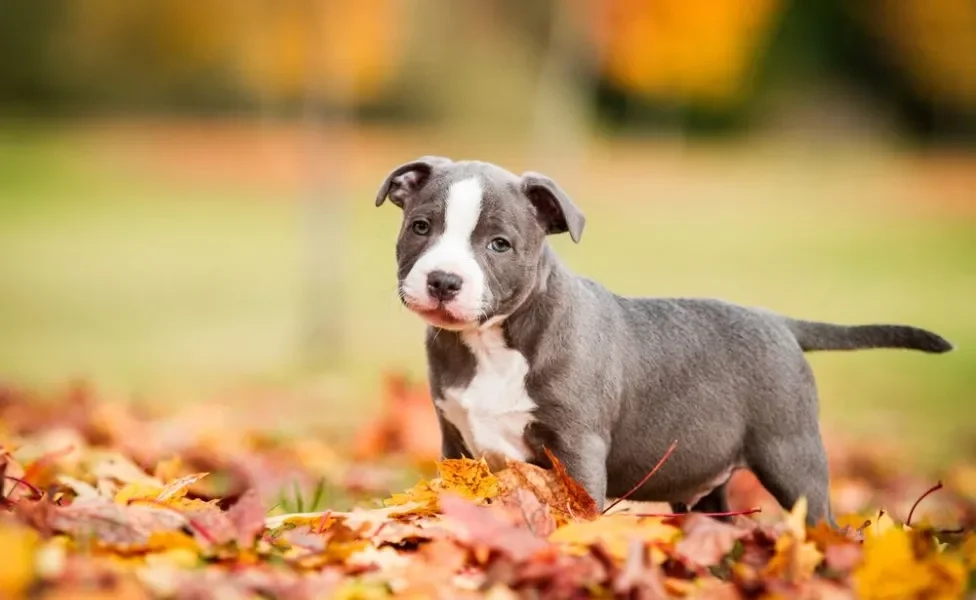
(707,540)
(247,518)
(582,505)
(114,524)
(486,530)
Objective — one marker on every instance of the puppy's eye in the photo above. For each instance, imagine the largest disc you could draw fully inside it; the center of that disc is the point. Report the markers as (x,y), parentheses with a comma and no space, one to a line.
(500,244)
(420,227)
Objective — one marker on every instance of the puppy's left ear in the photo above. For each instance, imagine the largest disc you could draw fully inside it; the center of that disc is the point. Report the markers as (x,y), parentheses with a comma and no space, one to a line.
(407,179)
(556,211)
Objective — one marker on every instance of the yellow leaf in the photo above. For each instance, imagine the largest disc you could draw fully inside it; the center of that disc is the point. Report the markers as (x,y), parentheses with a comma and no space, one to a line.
(168,470)
(177,557)
(882,525)
(891,569)
(136,491)
(470,479)
(160,541)
(17,567)
(178,488)
(797,519)
(794,560)
(616,532)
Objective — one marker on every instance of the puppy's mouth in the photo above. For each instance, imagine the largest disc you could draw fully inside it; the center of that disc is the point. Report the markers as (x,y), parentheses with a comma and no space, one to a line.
(440,315)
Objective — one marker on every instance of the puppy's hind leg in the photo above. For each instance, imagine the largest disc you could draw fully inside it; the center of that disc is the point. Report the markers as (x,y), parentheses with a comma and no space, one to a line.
(793,467)
(716,501)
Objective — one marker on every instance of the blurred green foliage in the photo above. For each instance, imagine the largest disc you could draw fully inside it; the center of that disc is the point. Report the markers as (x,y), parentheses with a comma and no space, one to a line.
(705,66)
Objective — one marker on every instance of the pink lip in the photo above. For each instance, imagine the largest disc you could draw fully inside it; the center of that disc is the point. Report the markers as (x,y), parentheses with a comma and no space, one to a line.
(439,316)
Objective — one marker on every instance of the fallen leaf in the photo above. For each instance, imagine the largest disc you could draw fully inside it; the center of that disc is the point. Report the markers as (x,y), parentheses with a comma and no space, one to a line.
(581,504)
(549,489)
(890,569)
(615,532)
(482,528)
(178,488)
(114,525)
(526,509)
(640,576)
(247,518)
(707,540)
(17,566)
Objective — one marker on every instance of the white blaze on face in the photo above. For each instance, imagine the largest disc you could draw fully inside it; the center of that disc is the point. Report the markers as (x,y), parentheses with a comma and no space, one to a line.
(452,253)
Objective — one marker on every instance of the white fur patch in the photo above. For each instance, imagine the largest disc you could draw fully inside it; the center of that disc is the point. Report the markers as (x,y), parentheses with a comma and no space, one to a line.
(493,411)
(453,253)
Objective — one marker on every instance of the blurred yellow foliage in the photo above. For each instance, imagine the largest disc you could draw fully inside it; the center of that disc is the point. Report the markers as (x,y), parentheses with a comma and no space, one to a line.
(350,45)
(892,568)
(699,51)
(17,567)
(932,41)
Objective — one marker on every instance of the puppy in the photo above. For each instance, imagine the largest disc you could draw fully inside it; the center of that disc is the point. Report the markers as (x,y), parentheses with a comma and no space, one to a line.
(523,354)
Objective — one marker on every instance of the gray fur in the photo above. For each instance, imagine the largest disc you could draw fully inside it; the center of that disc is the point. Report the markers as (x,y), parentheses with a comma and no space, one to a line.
(617,379)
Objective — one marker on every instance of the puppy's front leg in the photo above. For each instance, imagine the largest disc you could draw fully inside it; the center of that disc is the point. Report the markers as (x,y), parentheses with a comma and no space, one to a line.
(585,457)
(452,446)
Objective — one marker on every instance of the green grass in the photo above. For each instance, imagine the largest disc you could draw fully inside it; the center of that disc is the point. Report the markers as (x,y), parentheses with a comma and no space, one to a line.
(146,284)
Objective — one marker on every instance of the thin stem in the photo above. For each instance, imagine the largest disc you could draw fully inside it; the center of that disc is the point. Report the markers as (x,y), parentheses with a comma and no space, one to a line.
(731,513)
(646,477)
(931,490)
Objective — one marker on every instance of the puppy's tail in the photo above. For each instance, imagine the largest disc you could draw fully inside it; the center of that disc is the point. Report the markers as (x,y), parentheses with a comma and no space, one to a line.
(813,336)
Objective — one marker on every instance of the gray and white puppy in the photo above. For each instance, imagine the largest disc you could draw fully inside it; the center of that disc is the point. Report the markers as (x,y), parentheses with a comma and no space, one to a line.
(523,354)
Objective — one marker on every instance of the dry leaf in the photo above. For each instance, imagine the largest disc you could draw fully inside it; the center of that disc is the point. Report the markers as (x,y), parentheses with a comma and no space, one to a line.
(706,540)
(615,532)
(484,529)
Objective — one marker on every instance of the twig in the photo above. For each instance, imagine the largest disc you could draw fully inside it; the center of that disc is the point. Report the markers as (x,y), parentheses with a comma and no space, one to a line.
(19,481)
(731,513)
(644,480)
(323,520)
(931,490)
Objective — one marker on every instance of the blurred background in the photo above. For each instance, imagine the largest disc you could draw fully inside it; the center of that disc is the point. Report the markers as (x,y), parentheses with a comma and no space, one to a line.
(186,187)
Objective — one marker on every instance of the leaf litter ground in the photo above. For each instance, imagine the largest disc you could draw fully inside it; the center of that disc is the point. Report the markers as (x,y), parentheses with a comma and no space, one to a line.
(100,501)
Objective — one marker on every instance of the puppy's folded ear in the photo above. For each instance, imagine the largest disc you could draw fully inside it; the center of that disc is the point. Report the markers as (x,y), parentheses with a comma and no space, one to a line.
(407,178)
(556,211)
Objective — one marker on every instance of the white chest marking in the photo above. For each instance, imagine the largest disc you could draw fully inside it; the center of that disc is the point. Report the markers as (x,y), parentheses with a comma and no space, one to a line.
(492,412)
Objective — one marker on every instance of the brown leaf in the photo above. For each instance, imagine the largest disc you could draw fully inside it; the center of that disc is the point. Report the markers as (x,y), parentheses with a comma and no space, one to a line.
(525,508)
(581,504)
(843,557)
(486,530)
(550,489)
(112,524)
(247,518)
(706,540)
(640,576)
(211,527)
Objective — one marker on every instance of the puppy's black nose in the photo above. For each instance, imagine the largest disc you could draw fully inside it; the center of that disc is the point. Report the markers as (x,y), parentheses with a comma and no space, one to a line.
(443,285)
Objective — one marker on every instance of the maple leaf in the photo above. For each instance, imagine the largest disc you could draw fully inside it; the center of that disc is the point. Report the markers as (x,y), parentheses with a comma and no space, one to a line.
(891,569)
(114,525)
(526,509)
(566,503)
(483,528)
(247,517)
(795,558)
(640,575)
(706,540)
(615,532)
(468,478)
(471,479)
(17,567)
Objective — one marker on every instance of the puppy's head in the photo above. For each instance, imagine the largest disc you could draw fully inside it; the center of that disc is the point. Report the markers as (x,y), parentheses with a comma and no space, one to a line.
(472,235)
